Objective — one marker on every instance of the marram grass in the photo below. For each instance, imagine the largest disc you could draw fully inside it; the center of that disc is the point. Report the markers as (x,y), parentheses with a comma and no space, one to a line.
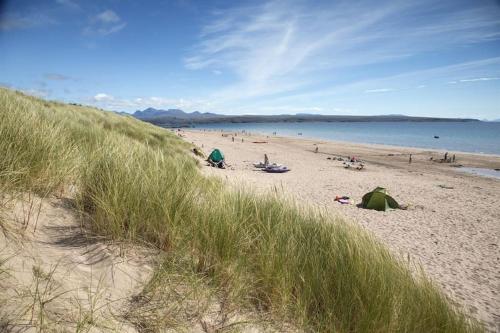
(138,182)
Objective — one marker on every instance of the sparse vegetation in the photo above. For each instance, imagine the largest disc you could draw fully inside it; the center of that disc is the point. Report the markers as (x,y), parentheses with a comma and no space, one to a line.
(138,182)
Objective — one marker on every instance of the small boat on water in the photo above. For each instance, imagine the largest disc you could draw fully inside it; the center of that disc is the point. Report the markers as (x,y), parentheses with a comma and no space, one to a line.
(436,136)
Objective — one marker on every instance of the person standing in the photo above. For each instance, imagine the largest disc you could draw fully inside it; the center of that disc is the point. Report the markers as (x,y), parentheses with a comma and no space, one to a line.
(409,160)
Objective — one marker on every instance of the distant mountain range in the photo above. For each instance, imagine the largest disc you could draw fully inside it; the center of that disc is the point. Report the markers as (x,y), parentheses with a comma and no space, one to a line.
(179,118)
(150,113)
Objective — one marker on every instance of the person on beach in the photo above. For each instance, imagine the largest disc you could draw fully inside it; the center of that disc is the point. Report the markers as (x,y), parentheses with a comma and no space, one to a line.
(445,156)
(266,160)
(233,138)
(316,150)
(409,160)
(453,158)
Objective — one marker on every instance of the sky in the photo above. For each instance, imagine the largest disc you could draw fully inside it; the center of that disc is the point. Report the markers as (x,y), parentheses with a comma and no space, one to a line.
(419,58)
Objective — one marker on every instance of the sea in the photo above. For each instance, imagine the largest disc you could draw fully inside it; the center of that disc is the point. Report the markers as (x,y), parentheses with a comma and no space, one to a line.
(473,137)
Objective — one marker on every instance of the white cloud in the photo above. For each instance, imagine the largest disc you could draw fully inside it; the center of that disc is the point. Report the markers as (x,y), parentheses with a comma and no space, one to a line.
(107,16)
(102,97)
(104,23)
(480,79)
(380,90)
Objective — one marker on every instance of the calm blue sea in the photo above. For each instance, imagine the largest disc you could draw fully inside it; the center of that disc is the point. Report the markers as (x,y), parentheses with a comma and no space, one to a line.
(475,137)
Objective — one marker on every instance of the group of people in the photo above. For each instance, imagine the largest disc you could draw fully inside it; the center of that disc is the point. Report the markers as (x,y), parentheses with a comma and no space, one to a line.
(445,159)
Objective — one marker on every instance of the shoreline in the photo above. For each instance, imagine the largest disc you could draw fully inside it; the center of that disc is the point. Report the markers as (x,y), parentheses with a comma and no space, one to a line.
(472,159)
(451,227)
(368,144)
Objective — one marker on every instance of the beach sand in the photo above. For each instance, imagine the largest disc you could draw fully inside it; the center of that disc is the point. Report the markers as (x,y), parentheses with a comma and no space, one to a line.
(84,282)
(452,225)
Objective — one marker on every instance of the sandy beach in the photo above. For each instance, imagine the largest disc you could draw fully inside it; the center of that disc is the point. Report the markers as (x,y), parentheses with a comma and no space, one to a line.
(451,226)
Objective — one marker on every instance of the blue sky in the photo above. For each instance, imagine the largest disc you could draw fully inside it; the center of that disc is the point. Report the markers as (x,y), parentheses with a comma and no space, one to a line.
(422,58)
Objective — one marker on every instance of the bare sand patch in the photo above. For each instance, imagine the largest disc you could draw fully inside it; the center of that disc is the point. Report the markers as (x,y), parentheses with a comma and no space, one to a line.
(57,277)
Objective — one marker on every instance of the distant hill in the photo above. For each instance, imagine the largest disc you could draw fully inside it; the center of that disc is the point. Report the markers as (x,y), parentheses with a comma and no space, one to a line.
(179,118)
(151,113)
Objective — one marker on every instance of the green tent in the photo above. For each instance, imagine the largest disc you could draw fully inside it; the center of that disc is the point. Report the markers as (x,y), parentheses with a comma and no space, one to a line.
(378,199)
(216,156)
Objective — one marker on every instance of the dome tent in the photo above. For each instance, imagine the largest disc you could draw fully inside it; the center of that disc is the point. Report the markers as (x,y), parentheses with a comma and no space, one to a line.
(378,199)
(216,158)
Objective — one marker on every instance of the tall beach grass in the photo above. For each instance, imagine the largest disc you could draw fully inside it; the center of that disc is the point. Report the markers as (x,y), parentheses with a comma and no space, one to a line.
(138,182)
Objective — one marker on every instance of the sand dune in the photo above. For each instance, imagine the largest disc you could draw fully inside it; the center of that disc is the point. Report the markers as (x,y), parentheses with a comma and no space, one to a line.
(452,225)
(58,276)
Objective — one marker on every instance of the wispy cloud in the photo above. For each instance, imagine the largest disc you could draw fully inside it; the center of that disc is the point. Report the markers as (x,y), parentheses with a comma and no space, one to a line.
(43,93)
(380,90)
(104,23)
(56,77)
(480,79)
(107,16)
(17,21)
(284,46)
(404,81)
(72,4)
